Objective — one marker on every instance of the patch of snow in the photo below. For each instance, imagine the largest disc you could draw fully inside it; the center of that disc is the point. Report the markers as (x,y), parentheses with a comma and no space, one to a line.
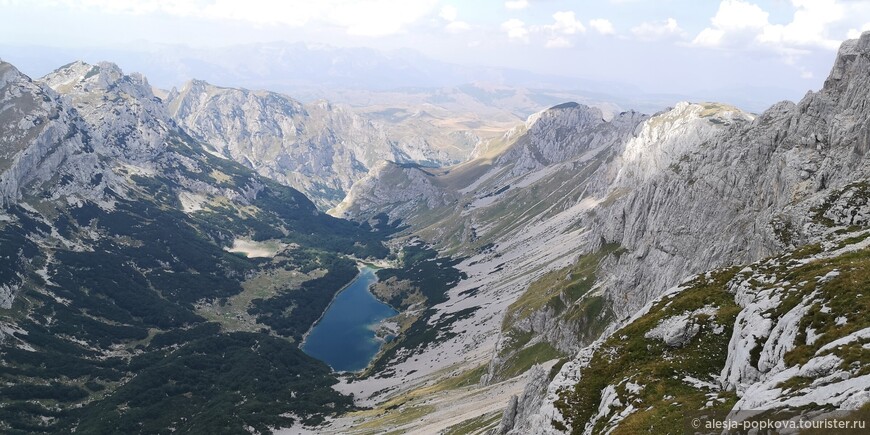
(253,249)
(191,202)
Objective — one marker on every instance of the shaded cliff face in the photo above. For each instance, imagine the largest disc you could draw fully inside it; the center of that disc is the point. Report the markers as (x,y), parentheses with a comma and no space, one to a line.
(319,148)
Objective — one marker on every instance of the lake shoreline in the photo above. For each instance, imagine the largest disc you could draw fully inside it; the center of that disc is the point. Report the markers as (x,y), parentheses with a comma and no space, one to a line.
(350,333)
(359,269)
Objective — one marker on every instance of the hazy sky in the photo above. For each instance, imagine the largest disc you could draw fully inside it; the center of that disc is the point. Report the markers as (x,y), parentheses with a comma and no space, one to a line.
(660,46)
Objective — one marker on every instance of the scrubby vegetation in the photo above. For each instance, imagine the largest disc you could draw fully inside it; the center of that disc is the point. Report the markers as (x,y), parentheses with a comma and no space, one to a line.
(628,356)
(659,383)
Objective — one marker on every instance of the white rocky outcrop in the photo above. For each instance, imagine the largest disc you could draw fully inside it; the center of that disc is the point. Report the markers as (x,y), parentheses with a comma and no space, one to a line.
(678,330)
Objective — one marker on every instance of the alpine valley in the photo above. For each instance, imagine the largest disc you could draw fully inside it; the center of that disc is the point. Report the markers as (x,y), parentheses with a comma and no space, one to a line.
(164,255)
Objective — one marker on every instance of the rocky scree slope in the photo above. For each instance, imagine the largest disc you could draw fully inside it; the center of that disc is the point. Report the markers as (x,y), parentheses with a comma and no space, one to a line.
(121,308)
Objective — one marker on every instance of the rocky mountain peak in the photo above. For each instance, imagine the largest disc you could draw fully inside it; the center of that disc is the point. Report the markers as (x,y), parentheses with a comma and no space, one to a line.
(80,79)
(852,63)
(670,135)
(317,148)
(572,114)
(195,84)
(141,122)
(81,76)
(38,133)
(8,73)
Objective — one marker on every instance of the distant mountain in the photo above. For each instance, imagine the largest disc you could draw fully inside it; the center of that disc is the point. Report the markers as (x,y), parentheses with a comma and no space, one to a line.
(318,148)
(314,71)
(291,67)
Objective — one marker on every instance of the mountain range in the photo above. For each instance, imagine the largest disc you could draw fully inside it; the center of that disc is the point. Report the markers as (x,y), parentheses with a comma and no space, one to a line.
(588,270)
(312,71)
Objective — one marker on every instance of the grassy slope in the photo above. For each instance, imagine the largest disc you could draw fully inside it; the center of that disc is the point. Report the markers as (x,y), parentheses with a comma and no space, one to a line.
(630,357)
(627,356)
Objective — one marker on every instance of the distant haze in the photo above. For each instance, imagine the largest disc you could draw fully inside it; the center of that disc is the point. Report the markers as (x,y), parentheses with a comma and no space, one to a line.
(639,53)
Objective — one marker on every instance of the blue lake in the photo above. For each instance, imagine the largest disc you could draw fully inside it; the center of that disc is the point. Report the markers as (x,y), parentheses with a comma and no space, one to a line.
(345,337)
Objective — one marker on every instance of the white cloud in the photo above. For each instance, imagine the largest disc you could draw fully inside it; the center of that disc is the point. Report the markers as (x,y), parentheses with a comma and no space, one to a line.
(566,23)
(735,15)
(602,26)
(649,31)
(457,27)
(558,42)
(449,13)
(516,4)
(738,23)
(856,33)
(808,27)
(736,20)
(516,30)
(356,17)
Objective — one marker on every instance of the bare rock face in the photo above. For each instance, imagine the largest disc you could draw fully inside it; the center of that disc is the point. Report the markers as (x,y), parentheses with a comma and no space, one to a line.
(528,402)
(137,129)
(395,189)
(319,148)
(38,133)
(722,200)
